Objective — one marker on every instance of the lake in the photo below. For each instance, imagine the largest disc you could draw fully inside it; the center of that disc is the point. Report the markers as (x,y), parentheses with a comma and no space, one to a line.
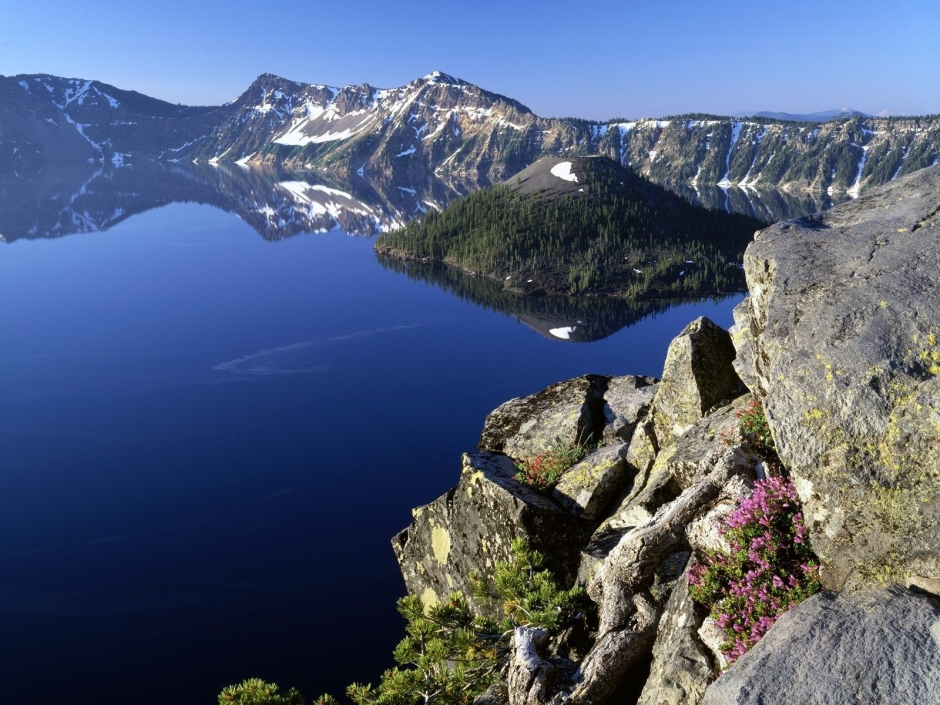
(208,437)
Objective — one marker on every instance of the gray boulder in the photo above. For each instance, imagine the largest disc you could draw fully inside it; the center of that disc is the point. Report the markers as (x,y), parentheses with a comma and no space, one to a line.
(682,666)
(587,488)
(626,401)
(472,527)
(698,375)
(570,412)
(865,648)
(845,312)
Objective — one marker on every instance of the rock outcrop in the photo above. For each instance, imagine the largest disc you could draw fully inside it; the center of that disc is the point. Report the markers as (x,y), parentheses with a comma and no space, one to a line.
(569,412)
(472,527)
(643,495)
(699,369)
(845,317)
(873,646)
(587,488)
(699,375)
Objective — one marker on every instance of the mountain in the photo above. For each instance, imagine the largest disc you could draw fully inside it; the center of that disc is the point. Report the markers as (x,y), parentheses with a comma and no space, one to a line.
(442,127)
(436,125)
(45,119)
(821,116)
(581,225)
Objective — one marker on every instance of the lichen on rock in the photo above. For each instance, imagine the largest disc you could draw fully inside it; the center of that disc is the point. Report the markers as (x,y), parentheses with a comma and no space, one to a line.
(845,311)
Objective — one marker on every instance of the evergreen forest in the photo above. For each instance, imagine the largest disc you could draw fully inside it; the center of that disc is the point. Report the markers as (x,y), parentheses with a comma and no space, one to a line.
(610,233)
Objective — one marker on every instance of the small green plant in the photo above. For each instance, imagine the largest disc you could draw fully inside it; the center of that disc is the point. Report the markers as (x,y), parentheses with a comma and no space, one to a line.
(542,472)
(528,593)
(449,655)
(753,426)
(769,569)
(254,691)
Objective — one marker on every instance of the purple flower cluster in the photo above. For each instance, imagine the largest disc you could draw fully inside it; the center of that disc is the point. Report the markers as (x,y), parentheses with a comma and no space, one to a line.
(769,569)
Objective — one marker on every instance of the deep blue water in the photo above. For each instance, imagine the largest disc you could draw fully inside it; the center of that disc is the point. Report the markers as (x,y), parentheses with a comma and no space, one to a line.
(207,441)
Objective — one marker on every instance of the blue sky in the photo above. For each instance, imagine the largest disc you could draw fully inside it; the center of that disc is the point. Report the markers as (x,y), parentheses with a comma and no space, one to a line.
(595,60)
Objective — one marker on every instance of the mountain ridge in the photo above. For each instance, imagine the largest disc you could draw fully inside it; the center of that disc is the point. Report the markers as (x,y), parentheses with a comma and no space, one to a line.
(439,125)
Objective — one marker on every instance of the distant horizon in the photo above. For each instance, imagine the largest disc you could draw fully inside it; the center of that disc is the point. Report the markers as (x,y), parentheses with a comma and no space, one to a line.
(610,60)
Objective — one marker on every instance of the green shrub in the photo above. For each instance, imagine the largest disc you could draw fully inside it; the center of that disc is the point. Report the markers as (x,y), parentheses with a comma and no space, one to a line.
(255,691)
(450,655)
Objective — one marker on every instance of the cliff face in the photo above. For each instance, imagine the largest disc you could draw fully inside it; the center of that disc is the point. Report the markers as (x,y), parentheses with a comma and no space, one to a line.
(842,156)
(837,340)
(845,318)
(441,126)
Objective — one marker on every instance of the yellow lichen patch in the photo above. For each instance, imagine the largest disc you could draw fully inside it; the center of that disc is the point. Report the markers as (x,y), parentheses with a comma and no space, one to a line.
(889,569)
(440,543)
(475,479)
(902,230)
(429,598)
(925,352)
(585,473)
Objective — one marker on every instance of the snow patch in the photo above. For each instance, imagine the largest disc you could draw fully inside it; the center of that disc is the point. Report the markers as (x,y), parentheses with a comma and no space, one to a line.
(563,333)
(563,171)
(857,186)
(298,138)
(408,152)
(735,133)
(901,165)
(112,101)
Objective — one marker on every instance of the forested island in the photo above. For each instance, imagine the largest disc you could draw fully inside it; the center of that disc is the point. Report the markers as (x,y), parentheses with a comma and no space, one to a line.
(582,226)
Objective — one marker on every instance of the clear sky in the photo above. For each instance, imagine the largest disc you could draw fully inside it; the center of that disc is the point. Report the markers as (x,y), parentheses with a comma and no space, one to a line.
(596,60)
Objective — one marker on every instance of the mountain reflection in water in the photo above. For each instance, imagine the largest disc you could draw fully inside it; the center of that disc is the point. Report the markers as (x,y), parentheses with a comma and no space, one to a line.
(65,199)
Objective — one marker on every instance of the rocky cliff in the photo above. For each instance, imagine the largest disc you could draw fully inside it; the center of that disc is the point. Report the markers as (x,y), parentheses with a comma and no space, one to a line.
(441,126)
(837,341)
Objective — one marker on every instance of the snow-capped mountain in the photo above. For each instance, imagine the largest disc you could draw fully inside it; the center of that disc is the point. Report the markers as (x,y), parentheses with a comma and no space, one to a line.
(442,127)
(434,125)
(45,119)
